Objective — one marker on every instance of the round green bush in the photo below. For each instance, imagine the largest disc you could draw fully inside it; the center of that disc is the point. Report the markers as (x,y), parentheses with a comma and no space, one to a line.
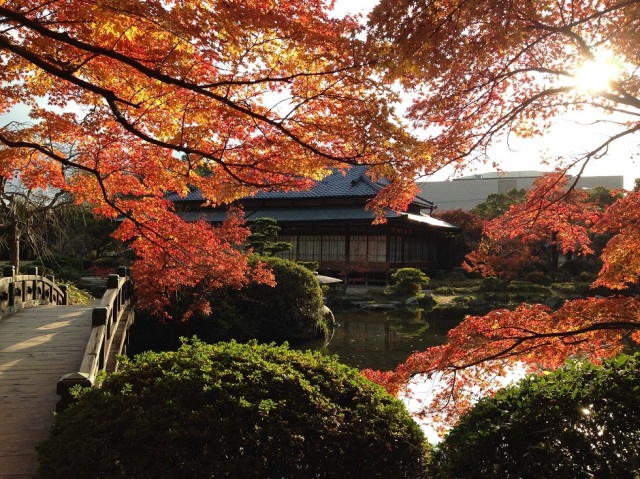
(408,281)
(538,277)
(234,410)
(290,311)
(582,421)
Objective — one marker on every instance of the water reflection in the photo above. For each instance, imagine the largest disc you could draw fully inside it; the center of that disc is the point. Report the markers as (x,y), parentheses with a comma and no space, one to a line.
(383,339)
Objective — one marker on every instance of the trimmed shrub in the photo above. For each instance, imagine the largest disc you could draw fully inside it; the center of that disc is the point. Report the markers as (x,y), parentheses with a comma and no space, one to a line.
(576,266)
(290,311)
(408,281)
(581,421)
(426,300)
(527,287)
(310,265)
(538,277)
(238,411)
(494,284)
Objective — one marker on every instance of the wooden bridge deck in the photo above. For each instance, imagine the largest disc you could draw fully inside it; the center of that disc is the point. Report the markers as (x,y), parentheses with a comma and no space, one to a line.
(37,347)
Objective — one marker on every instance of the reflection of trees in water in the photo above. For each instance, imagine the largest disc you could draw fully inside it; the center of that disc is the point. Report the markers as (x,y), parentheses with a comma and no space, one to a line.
(383,339)
(408,321)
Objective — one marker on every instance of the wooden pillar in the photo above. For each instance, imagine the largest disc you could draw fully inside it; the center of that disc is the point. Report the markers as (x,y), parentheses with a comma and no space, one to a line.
(9,271)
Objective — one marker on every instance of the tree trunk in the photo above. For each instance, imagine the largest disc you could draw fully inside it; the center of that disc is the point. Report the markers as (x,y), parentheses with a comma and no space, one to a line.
(14,246)
(555,253)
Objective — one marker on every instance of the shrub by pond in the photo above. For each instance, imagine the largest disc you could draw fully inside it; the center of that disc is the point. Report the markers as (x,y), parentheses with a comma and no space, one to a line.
(581,421)
(234,410)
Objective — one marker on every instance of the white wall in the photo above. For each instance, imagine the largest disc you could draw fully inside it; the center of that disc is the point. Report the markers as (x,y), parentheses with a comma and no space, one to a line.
(465,193)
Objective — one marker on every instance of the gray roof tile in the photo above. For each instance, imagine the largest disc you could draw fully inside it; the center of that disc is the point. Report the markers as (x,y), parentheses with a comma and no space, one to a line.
(351,183)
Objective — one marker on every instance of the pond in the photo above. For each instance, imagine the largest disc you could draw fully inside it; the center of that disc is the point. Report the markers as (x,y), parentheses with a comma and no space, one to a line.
(383,339)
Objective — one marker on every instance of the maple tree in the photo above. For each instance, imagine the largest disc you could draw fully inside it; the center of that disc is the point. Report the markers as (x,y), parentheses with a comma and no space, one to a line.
(129,100)
(482,72)
(552,218)
(533,338)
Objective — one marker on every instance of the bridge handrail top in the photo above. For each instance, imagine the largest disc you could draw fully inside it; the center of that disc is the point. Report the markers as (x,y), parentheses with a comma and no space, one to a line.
(115,310)
(24,277)
(110,294)
(89,366)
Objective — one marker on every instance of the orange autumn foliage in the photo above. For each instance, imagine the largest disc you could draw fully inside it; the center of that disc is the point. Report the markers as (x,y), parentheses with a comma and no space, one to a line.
(483,73)
(129,100)
(532,338)
(554,217)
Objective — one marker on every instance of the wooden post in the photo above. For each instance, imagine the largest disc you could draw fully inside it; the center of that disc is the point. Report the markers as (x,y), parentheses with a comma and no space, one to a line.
(63,388)
(65,294)
(9,272)
(112,281)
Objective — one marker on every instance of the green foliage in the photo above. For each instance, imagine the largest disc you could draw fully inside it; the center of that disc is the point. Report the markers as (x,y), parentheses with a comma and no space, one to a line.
(572,289)
(238,411)
(455,277)
(263,238)
(77,296)
(576,266)
(426,300)
(67,268)
(494,284)
(587,276)
(108,262)
(603,196)
(408,281)
(310,265)
(469,235)
(290,311)
(445,291)
(538,277)
(498,204)
(581,421)
(527,287)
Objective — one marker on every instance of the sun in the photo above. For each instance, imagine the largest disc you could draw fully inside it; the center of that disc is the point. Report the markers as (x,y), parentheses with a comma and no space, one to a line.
(597,74)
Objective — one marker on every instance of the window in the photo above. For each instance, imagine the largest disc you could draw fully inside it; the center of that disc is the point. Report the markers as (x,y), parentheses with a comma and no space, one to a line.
(309,248)
(377,248)
(368,248)
(395,249)
(333,248)
(358,247)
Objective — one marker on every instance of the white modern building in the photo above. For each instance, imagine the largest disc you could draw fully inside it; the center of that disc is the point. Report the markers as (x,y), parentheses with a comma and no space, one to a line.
(469,191)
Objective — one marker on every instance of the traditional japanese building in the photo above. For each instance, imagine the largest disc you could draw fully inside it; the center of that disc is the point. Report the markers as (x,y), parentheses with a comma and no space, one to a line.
(331,225)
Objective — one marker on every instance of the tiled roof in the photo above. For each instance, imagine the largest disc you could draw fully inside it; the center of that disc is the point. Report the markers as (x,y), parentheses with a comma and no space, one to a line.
(350,183)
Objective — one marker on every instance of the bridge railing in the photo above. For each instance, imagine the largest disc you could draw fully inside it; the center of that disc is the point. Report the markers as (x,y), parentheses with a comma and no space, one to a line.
(30,289)
(110,322)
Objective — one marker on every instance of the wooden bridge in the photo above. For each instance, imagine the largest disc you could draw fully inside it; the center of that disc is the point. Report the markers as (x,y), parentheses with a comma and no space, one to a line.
(46,348)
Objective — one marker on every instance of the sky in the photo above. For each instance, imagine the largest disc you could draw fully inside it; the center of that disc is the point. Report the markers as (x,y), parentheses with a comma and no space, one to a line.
(568,135)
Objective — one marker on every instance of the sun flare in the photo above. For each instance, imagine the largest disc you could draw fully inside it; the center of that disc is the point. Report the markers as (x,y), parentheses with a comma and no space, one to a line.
(597,74)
